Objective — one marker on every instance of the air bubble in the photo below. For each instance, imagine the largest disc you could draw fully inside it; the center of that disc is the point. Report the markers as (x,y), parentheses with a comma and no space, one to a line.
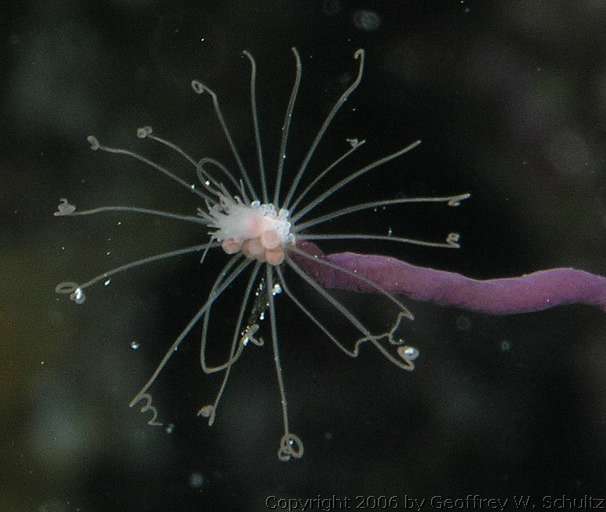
(277,289)
(78,296)
(409,353)
(134,345)
(170,428)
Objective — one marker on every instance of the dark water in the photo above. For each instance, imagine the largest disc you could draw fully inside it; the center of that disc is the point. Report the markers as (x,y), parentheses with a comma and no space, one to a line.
(509,99)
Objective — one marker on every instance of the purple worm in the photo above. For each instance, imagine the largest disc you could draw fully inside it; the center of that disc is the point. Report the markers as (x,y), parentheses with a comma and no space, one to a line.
(504,296)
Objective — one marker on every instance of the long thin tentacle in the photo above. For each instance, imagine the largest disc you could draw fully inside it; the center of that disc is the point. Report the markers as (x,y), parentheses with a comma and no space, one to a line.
(452,240)
(75,289)
(200,88)
(311,316)
(358,55)
(204,337)
(146,132)
(175,345)
(450,200)
(286,125)
(368,336)
(255,116)
(204,176)
(369,282)
(312,204)
(325,172)
(237,346)
(68,210)
(290,445)
(96,146)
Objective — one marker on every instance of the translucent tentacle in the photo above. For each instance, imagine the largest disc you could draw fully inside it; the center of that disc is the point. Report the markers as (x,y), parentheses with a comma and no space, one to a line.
(312,204)
(175,345)
(255,116)
(452,240)
(200,88)
(325,172)
(290,444)
(450,200)
(237,346)
(96,146)
(286,125)
(358,55)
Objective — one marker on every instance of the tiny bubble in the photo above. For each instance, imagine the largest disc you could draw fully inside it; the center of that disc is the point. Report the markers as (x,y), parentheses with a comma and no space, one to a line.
(106,283)
(42,363)
(108,253)
(277,289)
(170,428)
(119,223)
(411,353)
(134,345)
(78,296)
(505,346)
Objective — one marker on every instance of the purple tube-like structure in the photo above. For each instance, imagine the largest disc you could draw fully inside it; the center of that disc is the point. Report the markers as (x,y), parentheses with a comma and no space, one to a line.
(505,296)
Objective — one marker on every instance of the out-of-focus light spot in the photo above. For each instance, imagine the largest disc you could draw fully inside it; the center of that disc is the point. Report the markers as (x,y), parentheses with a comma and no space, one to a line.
(367,20)
(196,480)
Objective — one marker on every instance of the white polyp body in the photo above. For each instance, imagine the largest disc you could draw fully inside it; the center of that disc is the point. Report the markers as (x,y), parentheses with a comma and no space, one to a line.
(258,230)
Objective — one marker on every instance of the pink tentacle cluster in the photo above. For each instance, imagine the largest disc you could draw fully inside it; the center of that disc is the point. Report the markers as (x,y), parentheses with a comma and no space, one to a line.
(265,248)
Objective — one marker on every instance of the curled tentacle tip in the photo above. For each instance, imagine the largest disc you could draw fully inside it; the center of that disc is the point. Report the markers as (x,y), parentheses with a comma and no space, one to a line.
(453,240)
(359,53)
(207,411)
(197,86)
(144,131)
(291,446)
(456,201)
(66,288)
(94,142)
(64,208)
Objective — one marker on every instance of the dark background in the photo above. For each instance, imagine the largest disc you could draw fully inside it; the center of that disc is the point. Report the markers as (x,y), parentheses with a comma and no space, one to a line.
(509,98)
